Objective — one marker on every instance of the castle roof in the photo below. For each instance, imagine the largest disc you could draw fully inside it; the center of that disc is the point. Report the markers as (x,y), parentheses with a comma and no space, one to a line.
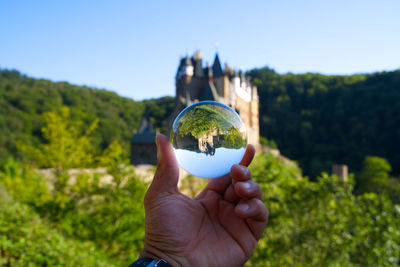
(145,135)
(188,61)
(144,139)
(209,93)
(217,69)
(198,68)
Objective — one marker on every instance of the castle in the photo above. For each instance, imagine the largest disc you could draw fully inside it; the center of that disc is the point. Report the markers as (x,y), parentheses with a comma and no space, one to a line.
(195,82)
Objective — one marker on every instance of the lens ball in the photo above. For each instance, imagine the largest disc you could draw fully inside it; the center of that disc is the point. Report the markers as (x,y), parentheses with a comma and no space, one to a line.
(208,138)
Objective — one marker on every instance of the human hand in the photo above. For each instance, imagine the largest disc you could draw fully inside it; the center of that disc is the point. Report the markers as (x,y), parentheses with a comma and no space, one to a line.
(219,227)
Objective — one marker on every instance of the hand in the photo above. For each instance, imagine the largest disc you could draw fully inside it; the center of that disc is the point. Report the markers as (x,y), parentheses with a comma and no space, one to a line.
(219,227)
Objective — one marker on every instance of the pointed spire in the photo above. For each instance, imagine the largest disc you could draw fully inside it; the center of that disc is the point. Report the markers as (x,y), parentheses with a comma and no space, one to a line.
(217,69)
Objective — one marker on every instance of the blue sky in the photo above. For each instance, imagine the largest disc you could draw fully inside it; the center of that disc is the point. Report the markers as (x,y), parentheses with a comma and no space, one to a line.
(133,47)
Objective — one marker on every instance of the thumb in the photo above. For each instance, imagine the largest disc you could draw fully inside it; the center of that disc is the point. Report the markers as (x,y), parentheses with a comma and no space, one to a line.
(167,174)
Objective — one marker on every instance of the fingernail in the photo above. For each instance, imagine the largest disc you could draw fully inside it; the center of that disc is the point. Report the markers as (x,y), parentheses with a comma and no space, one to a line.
(158,145)
(246,185)
(157,137)
(244,168)
(244,207)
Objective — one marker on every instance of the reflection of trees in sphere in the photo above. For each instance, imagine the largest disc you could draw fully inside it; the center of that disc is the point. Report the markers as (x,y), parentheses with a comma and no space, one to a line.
(208,138)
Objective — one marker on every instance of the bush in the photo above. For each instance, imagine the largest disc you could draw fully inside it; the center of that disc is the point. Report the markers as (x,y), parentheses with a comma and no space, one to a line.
(27,240)
(322,223)
(90,222)
(108,214)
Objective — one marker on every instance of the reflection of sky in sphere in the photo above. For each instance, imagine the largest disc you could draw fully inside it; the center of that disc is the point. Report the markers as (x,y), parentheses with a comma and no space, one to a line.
(206,166)
(208,138)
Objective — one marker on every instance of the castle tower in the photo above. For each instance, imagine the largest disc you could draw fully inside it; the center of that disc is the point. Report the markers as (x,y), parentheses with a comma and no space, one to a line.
(183,78)
(197,83)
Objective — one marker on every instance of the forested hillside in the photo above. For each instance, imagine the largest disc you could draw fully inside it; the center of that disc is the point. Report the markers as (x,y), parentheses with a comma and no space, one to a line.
(320,120)
(23,100)
(315,119)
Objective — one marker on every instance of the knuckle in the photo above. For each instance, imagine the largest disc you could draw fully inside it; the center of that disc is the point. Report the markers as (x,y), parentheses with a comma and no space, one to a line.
(259,204)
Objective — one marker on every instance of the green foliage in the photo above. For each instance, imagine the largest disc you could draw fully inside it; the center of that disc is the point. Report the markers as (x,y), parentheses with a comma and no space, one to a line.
(211,120)
(23,100)
(317,223)
(106,210)
(27,240)
(374,177)
(270,143)
(315,119)
(111,215)
(233,139)
(27,186)
(202,118)
(101,206)
(375,226)
(376,167)
(95,217)
(158,110)
(66,145)
(320,120)
(322,223)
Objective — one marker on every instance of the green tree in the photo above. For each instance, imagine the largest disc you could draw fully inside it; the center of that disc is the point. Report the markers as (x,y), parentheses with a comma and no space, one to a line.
(27,240)
(320,120)
(321,223)
(23,101)
(374,177)
(374,169)
(66,144)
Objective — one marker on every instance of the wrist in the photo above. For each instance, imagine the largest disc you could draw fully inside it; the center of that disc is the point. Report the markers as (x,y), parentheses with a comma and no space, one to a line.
(149,262)
(154,253)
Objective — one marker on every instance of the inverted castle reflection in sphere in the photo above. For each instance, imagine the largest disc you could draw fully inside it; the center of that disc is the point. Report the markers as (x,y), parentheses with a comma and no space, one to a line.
(208,138)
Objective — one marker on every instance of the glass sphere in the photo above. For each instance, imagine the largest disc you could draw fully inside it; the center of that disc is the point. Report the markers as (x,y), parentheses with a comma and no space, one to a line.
(208,138)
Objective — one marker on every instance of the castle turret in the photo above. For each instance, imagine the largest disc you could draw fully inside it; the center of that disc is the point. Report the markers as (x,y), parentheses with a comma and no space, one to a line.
(198,65)
(220,80)
(183,78)
(186,68)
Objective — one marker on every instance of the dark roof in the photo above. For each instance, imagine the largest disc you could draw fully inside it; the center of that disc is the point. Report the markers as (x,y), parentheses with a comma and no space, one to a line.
(188,61)
(144,138)
(208,71)
(145,135)
(181,62)
(209,93)
(198,68)
(217,69)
